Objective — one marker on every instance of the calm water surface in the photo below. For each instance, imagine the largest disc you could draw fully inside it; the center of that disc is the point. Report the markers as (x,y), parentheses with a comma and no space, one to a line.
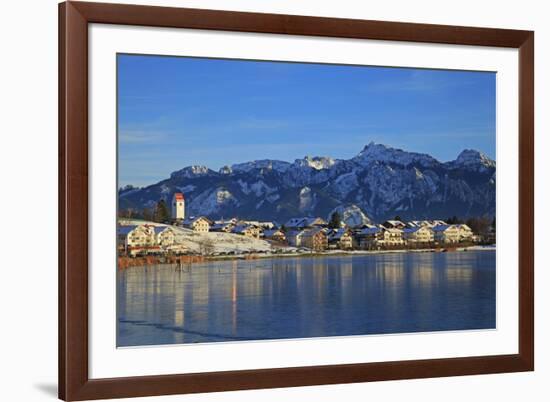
(306,297)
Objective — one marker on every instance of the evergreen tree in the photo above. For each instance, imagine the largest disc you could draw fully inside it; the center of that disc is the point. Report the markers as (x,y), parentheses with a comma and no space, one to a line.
(147,214)
(397,218)
(161,212)
(335,221)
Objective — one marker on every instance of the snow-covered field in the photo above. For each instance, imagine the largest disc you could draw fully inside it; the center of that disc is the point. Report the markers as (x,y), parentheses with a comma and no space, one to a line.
(212,242)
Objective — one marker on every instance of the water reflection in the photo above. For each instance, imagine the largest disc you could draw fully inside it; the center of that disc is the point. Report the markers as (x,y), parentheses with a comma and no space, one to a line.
(306,297)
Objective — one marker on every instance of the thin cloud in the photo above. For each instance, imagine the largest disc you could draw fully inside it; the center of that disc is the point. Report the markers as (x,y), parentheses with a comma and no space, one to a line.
(140,137)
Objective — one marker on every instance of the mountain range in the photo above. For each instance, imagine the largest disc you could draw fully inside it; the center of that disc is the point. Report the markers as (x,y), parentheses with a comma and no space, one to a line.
(379,183)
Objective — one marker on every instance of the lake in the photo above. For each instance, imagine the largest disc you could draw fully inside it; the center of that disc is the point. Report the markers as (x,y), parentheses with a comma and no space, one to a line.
(306,297)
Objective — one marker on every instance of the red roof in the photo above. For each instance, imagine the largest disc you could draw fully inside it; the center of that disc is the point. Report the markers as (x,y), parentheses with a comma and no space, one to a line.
(179,196)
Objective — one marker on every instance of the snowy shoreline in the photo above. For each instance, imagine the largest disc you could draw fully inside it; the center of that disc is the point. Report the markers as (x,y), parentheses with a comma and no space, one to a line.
(335,253)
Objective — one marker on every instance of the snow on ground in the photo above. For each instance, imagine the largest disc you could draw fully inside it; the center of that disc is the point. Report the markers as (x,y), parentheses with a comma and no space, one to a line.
(214,242)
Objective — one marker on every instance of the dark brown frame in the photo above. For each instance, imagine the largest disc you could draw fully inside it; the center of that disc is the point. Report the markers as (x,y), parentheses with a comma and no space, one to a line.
(74,17)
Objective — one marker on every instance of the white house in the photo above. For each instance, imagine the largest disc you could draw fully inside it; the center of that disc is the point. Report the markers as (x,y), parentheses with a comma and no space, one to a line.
(341,238)
(294,237)
(274,234)
(392,237)
(465,232)
(247,230)
(446,233)
(165,236)
(418,234)
(135,237)
(219,226)
(178,206)
(198,224)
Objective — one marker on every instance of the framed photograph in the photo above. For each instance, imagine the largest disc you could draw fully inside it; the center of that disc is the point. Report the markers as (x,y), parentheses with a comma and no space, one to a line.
(259,200)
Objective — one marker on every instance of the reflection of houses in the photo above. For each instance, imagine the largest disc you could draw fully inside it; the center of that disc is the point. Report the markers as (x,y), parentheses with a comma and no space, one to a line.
(446,233)
(247,230)
(340,238)
(198,224)
(419,234)
(275,235)
(133,238)
(164,236)
(315,239)
(294,237)
(393,224)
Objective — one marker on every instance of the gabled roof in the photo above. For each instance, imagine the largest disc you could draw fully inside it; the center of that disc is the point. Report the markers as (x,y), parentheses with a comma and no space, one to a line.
(337,234)
(271,232)
(293,233)
(394,222)
(304,222)
(221,225)
(294,222)
(441,228)
(242,228)
(313,232)
(124,230)
(393,230)
(193,219)
(160,229)
(179,196)
(369,231)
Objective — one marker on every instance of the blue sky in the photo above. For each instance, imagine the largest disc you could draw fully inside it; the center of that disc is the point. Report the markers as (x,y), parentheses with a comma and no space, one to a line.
(175,112)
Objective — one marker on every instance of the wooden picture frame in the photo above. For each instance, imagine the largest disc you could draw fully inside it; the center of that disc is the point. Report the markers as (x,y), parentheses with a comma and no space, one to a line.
(74,381)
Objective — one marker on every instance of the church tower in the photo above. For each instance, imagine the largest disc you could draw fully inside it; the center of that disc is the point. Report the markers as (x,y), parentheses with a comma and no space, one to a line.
(178,207)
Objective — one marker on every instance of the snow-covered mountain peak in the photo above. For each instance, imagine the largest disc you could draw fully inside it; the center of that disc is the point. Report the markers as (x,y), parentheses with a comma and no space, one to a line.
(226,170)
(382,153)
(472,159)
(315,162)
(269,164)
(192,171)
(351,215)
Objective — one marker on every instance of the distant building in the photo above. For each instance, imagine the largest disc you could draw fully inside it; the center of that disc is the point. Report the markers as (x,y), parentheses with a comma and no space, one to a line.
(198,224)
(418,235)
(392,237)
(294,237)
(303,223)
(275,235)
(226,227)
(247,230)
(393,224)
(133,238)
(165,236)
(178,206)
(315,239)
(259,224)
(465,232)
(341,239)
(369,237)
(446,233)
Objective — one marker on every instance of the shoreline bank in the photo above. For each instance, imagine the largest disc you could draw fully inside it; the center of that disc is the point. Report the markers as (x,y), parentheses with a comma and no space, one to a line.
(128,262)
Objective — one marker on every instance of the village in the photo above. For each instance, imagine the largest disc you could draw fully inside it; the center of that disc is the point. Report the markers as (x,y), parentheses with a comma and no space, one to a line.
(302,234)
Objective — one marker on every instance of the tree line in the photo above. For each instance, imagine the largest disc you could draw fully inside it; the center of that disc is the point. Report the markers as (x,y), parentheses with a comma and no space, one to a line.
(159,214)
